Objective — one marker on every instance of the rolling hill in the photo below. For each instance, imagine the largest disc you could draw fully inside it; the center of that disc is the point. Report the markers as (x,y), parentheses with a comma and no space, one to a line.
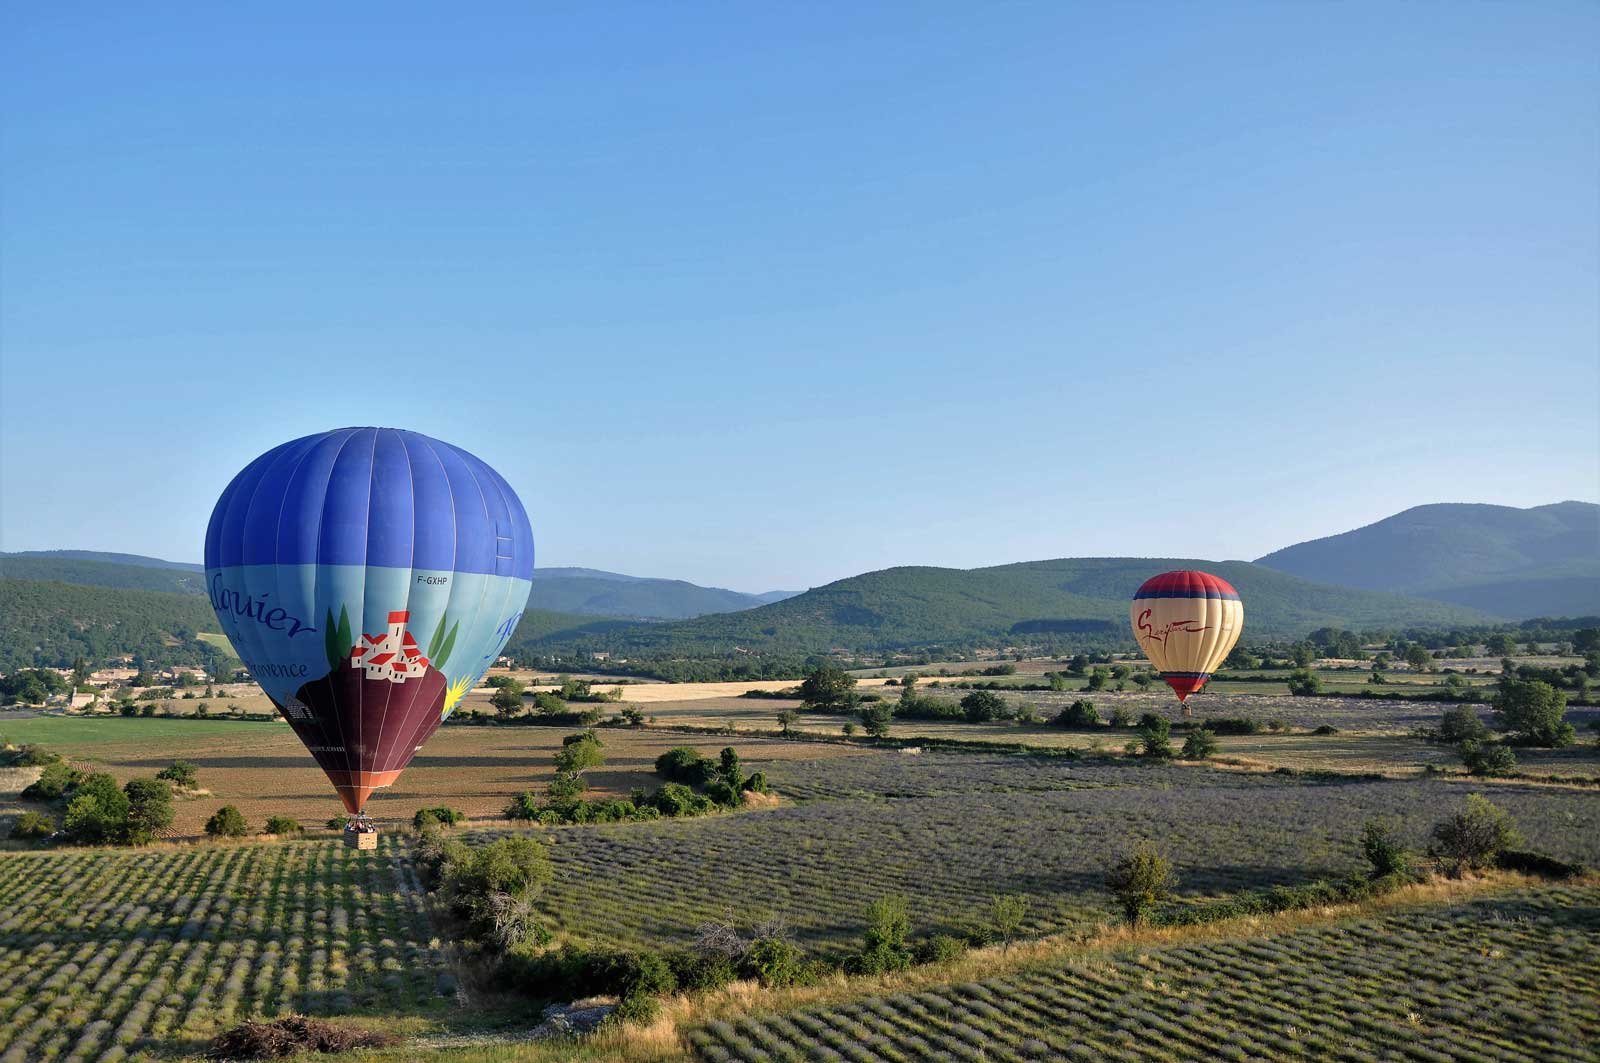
(1516,563)
(579,591)
(1082,598)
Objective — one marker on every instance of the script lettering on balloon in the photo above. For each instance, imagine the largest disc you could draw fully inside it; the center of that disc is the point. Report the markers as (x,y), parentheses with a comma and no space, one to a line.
(226,600)
(1149,631)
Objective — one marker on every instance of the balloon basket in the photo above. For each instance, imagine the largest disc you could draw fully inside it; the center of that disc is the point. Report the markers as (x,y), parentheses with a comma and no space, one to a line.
(361,833)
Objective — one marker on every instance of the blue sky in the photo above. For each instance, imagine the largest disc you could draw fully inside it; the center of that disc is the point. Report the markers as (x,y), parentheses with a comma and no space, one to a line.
(767,295)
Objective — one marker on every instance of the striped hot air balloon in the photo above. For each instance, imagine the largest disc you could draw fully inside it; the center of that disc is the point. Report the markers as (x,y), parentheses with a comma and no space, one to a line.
(367,577)
(1187,623)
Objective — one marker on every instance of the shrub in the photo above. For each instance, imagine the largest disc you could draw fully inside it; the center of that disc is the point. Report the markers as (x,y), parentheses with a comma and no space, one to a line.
(1326,729)
(1460,724)
(884,946)
(1079,714)
(1474,837)
(1140,881)
(875,719)
(1233,725)
(1303,682)
(1121,717)
(756,782)
(28,756)
(722,794)
(683,765)
(182,774)
(580,752)
(338,822)
(982,706)
(1006,914)
(637,1008)
(1486,758)
(701,973)
(1533,713)
(773,962)
(940,948)
(54,781)
(227,822)
(283,825)
(1381,846)
(32,825)
(441,814)
(1532,863)
(1200,744)
(675,799)
(1154,731)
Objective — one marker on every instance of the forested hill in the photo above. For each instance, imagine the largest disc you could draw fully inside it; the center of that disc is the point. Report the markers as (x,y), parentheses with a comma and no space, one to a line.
(1517,563)
(901,608)
(578,591)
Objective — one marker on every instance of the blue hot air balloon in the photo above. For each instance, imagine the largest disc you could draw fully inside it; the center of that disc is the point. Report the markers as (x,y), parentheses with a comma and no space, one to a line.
(368,577)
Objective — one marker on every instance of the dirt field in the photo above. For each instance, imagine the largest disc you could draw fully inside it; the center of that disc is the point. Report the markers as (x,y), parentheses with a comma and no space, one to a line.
(264,770)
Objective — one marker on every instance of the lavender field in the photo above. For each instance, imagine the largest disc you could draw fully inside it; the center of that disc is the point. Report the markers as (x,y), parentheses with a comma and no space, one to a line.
(951,830)
(1509,977)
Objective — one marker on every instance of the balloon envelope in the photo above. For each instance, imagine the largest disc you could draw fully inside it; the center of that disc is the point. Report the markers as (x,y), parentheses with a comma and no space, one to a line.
(1187,623)
(367,577)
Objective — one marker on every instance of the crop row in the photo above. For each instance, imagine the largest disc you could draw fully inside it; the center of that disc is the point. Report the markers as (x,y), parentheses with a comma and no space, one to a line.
(1500,979)
(964,828)
(120,954)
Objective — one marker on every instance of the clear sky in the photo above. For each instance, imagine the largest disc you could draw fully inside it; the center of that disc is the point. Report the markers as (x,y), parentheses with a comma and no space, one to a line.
(765,295)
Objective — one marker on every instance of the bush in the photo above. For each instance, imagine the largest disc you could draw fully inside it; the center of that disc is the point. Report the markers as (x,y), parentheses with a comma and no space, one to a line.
(53,782)
(1121,717)
(756,782)
(640,1009)
(1154,731)
(1380,844)
(875,719)
(447,816)
(1532,863)
(1474,837)
(982,706)
(696,973)
(32,825)
(227,822)
(683,765)
(182,774)
(1079,714)
(773,962)
(675,799)
(1200,744)
(28,756)
(940,948)
(1486,758)
(884,945)
(580,752)
(283,825)
(1233,725)
(1326,729)
(338,823)
(1140,881)
(1303,682)
(1460,724)
(722,794)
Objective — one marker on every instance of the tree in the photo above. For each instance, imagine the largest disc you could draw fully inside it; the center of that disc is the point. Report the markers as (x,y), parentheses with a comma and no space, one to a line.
(1200,744)
(1097,679)
(1486,758)
(875,719)
(149,809)
(580,752)
(1586,640)
(1303,654)
(182,774)
(828,688)
(1460,723)
(97,813)
(1241,658)
(1380,844)
(1078,665)
(1154,730)
(728,769)
(227,822)
(982,706)
(1500,645)
(1140,881)
(787,719)
(507,702)
(1418,657)
(884,942)
(288,825)
(1474,837)
(1533,713)
(1007,912)
(1080,713)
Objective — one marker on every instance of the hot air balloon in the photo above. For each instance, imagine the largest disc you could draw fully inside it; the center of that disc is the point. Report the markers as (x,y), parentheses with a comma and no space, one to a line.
(367,577)
(1187,623)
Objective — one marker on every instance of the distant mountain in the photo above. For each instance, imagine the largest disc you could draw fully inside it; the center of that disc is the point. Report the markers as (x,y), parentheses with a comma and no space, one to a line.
(83,567)
(1515,563)
(904,608)
(581,591)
